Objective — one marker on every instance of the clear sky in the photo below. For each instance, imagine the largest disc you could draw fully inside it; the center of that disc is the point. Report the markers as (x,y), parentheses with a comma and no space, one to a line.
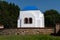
(42,5)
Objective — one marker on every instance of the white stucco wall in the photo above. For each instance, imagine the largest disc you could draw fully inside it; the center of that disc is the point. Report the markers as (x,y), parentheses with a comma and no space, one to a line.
(28,15)
(36,15)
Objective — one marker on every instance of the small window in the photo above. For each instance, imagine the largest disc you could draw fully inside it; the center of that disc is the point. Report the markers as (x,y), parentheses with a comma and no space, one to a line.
(26,20)
(30,20)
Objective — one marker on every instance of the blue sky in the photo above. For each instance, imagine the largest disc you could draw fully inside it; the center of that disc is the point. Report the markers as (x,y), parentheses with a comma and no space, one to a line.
(42,5)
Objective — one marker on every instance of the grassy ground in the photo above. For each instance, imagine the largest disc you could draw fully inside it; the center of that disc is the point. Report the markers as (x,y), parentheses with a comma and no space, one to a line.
(28,37)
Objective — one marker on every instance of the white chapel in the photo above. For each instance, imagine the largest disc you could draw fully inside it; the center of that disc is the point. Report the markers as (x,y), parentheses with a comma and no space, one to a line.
(30,17)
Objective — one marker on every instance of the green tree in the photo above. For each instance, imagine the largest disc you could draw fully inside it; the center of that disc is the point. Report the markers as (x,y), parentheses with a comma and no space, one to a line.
(51,17)
(9,14)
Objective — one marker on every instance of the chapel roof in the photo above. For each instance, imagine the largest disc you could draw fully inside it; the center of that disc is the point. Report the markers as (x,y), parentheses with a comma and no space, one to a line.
(30,8)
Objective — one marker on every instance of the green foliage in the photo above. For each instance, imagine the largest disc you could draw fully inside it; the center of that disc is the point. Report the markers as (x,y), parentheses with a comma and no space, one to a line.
(8,14)
(51,17)
(28,37)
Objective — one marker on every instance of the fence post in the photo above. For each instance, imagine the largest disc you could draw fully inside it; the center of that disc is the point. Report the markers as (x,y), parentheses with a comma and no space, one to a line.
(57,28)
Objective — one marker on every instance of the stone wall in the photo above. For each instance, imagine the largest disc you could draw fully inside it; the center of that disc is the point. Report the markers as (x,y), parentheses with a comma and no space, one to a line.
(26,31)
(23,31)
